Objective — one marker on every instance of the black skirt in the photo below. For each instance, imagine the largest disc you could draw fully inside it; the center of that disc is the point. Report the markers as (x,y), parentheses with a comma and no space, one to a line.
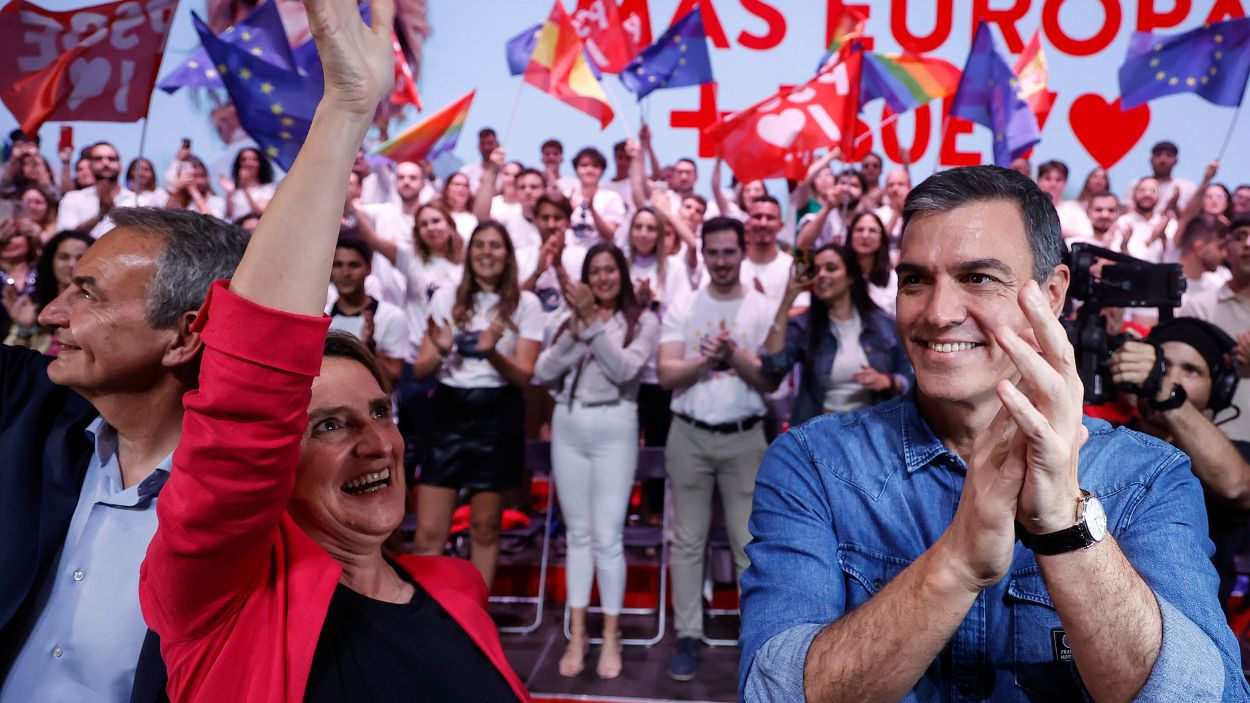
(476,439)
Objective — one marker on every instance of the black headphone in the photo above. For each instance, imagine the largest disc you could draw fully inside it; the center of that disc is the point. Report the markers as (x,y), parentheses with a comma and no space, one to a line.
(1224,373)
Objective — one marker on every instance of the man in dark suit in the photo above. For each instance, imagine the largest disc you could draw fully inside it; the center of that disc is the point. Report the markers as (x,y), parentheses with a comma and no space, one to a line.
(86,442)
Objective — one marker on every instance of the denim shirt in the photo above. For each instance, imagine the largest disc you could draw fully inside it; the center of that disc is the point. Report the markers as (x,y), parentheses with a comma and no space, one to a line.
(846,502)
(879,340)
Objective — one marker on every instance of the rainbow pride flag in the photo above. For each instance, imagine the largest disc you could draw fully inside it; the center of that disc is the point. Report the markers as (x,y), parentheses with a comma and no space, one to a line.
(906,81)
(430,138)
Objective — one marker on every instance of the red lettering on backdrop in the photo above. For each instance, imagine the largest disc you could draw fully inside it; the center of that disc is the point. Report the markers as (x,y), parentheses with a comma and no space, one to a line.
(711,23)
(1081,47)
(1005,19)
(950,155)
(706,115)
(941,27)
(920,135)
(1149,18)
(776,26)
(1226,9)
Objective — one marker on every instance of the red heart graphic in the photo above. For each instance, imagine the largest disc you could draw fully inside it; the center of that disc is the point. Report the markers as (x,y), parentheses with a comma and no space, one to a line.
(1107,132)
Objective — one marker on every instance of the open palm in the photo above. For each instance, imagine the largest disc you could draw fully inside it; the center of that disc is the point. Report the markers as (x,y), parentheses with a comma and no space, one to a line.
(358,60)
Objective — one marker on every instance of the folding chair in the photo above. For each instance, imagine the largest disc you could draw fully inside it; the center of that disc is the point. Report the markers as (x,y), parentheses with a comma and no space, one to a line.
(538,461)
(650,466)
(718,539)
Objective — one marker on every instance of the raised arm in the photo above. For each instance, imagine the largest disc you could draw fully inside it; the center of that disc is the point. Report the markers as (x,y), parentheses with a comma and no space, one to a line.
(717,193)
(486,189)
(1194,205)
(367,233)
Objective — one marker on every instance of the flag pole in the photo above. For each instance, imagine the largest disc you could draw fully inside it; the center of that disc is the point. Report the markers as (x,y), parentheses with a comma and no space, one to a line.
(1228,137)
(628,128)
(516,102)
(143,136)
(937,162)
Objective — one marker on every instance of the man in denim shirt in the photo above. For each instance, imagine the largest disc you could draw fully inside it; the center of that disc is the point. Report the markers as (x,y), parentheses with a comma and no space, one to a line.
(885,563)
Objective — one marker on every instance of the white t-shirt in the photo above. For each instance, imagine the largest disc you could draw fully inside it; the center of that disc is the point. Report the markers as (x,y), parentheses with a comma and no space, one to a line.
(465,223)
(582,229)
(390,328)
(621,188)
(1187,188)
(473,170)
(501,210)
(833,232)
(886,297)
(468,372)
(1073,220)
(422,279)
(719,396)
(261,195)
(78,206)
(886,213)
(845,393)
(522,232)
(774,276)
(1141,230)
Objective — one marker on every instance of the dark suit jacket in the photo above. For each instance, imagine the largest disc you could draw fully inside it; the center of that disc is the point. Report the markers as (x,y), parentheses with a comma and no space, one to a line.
(44,452)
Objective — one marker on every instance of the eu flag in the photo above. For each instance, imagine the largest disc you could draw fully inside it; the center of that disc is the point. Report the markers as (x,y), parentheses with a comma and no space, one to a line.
(275,105)
(679,58)
(520,48)
(260,33)
(1212,61)
(990,94)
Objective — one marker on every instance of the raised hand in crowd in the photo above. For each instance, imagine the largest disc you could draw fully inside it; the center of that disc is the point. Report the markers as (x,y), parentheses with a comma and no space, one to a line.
(227,184)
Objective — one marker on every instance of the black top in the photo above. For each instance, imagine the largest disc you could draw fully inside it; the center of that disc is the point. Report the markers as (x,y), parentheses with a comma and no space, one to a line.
(370,650)
(1229,528)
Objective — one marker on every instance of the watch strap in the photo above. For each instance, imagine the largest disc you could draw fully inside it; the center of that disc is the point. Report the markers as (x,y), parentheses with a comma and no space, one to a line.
(1173,401)
(1062,541)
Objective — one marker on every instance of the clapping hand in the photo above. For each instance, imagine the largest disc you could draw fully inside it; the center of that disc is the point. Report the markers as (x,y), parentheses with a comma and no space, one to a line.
(488,338)
(873,379)
(441,336)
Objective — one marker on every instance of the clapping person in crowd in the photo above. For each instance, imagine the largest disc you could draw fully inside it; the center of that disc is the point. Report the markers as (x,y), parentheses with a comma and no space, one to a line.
(380,326)
(141,180)
(1163,159)
(250,186)
(1142,232)
(458,199)
(54,273)
(193,191)
(868,243)
(890,212)
(24,169)
(1052,178)
(87,210)
(519,221)
(846,346)
(766,267)
(657,280)
(593,364)
(597,211)
(40,203)
(287,485)
(708,359)
(1198,384)
(481,340)
(1096,183)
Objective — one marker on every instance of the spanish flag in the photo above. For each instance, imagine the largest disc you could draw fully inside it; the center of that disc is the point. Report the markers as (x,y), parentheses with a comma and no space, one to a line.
(559,67)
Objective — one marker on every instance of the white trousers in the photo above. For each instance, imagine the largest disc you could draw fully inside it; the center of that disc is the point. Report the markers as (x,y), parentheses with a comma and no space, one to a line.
(594,452)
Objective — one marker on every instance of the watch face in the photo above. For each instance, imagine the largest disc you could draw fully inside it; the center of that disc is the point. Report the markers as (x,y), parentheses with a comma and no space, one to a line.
(1095,519)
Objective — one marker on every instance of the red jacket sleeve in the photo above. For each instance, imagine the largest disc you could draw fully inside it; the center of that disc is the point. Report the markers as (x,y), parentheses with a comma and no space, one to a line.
(234,468)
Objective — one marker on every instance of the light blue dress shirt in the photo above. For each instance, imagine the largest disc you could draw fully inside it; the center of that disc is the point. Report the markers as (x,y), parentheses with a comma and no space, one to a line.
(845,503)
(85,642)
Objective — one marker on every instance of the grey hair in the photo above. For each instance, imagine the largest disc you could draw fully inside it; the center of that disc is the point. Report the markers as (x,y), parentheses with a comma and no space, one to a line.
(947,190)
(199,249)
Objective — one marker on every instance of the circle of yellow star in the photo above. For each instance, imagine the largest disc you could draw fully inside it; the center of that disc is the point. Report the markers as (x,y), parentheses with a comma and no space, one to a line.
(276,108)
(287,121)
(245,73)
(1173,80)
(266,87)
(272,151)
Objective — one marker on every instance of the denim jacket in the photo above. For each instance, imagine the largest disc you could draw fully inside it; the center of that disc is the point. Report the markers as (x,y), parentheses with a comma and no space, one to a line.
(879,340)
(846,502)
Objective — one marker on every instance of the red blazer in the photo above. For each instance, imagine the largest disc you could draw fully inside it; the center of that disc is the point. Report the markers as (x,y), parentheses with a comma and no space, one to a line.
(236,590)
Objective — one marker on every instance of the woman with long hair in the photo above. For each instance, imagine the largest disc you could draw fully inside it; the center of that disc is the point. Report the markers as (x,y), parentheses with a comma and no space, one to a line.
(847,347)
(593,365)
(141,179)
(457,198)
(272,575)
(1097,182)
(481,340)
(872,253)
(250,186)
(40,203)
(53,274)
(193,191)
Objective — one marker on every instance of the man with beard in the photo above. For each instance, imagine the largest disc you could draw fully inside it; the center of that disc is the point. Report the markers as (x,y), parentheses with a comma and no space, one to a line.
(487,143)
(1162,163)
(1198,385)
(1103,211)
(528,185)
(1143,233)
(1228,308)
(87,210)
(897,186)
(709,358)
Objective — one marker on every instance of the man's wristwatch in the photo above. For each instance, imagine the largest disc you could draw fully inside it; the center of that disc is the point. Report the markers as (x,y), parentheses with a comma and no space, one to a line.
(1090,529)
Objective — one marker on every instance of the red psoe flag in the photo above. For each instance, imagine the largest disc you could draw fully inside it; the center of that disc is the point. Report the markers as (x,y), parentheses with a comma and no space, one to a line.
(95,63)
(559,68)
(404,92)
(607,41)
(768,138)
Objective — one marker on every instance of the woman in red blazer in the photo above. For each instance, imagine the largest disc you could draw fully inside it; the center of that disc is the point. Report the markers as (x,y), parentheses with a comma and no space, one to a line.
(267,579)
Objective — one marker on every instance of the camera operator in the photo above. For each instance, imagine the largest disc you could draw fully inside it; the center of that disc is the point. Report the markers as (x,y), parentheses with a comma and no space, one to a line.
(1198,384)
